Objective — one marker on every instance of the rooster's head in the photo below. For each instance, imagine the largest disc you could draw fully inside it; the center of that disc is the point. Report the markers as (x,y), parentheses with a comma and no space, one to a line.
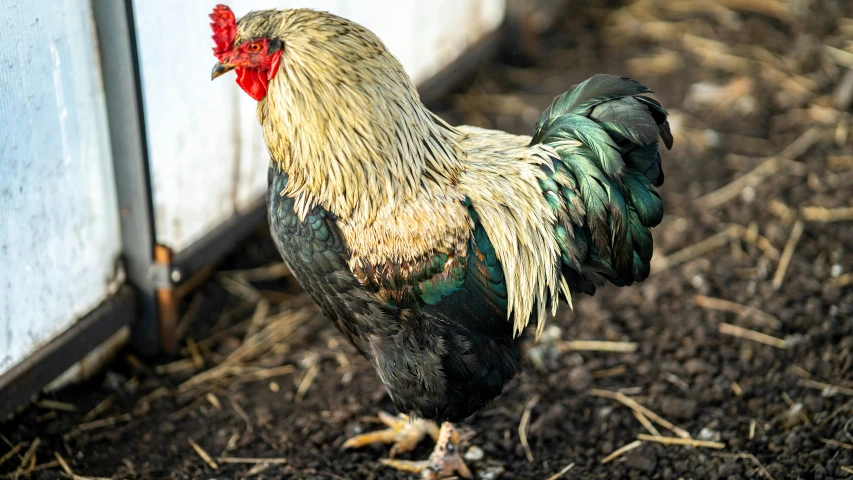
(310,48)
(255,57)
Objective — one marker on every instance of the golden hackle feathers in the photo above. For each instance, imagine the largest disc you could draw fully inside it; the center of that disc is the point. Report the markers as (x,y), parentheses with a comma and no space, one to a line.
(343,120)
(501,178)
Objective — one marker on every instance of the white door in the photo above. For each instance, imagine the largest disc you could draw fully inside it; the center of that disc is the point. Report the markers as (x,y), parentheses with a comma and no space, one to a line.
(59,228)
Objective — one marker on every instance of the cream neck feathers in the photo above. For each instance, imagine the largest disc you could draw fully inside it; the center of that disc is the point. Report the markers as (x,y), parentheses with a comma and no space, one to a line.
(343,120)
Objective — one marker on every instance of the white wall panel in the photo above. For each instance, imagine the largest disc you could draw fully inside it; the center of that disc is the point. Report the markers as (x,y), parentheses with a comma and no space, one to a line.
(427,35)
(59,234)
(206,151)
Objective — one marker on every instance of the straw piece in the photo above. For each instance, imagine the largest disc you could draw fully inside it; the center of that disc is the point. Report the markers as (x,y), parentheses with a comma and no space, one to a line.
(620,451)
(681,441)
(523,424)
(246,460)
(646,423)
(201,453)
(745,311)
(836,443)
(827,215)
(633,405)
(11,453)
(788,254)
(561,472)
(56,405)
(735,331)
(828,388)
(754,177)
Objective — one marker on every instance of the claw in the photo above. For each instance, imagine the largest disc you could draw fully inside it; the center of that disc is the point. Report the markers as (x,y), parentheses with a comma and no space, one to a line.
(406,465)
(404,433)
(445,461)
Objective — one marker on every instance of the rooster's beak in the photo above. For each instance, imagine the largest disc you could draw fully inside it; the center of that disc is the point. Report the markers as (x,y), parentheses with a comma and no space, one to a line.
(220,69)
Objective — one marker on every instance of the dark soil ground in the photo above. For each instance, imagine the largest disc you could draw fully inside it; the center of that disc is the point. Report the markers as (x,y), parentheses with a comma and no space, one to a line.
(743,86)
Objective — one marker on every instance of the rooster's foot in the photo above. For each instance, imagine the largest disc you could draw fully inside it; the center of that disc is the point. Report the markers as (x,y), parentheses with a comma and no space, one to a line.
(404,433)
(445,460)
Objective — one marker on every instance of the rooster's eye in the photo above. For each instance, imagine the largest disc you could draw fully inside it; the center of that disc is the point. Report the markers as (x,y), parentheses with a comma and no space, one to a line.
(255,47)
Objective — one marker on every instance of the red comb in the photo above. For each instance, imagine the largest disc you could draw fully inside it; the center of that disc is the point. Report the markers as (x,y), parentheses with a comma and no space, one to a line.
(224,27)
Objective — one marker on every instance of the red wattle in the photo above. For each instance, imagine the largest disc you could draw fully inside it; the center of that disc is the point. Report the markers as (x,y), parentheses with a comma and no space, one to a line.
(252,81)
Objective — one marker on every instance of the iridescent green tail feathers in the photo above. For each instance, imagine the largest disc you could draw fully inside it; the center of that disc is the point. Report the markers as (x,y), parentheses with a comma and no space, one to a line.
(603,191)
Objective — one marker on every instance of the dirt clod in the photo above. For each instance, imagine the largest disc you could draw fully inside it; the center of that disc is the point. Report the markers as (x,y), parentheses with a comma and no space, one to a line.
(680,408)
(644,460)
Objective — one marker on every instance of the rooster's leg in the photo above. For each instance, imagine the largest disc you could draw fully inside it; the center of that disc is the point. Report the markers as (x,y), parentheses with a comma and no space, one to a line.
(445,460)
(404,433)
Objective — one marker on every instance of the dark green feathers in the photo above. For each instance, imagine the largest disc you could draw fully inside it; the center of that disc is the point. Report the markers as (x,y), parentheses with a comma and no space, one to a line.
(607,185)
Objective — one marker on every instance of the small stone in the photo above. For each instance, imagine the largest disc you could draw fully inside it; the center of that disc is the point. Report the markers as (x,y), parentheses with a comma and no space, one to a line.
(579,379)
(491,471)
(552,332)
(474,454)
(709,435)
(712,138)
(114,381)
(836,270)
(544,354)
(682,408)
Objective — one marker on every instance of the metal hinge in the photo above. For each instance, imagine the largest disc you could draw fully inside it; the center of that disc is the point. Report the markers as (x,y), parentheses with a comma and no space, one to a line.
(160,275)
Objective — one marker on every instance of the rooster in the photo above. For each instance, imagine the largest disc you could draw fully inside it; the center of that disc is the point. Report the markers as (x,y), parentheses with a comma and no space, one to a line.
(433,247)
